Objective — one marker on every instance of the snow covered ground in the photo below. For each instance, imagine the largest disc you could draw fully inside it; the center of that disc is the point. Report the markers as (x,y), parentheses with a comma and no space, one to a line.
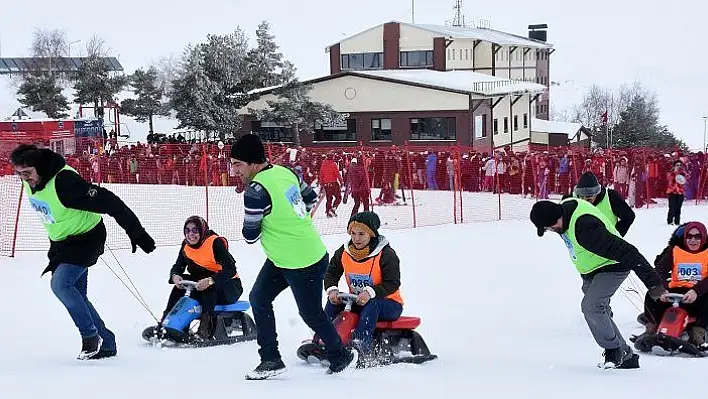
(500,306)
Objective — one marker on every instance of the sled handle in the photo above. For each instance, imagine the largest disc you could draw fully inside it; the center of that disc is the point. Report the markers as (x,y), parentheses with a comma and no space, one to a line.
(188,285)
(675,298)
(348,299)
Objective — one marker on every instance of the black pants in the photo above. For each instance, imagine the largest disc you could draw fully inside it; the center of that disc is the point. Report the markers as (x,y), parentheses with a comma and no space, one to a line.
(654,310)
(675,203)
(225,293)
(307,287)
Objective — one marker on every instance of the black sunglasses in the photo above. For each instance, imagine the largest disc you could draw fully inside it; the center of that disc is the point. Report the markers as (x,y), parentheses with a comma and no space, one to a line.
(194,230)
(694,236)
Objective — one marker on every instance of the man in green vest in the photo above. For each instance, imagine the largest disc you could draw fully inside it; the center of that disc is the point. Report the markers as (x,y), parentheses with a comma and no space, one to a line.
(604,260)
(607,200)
(277,211)
(70,209)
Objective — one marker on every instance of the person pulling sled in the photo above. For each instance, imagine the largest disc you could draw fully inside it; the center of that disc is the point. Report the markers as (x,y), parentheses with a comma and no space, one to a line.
(203,258)
(604,260)
(683,265)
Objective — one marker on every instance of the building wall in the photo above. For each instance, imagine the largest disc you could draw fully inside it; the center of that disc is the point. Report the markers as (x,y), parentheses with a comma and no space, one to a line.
(413,39)
(368,41)
(356,94)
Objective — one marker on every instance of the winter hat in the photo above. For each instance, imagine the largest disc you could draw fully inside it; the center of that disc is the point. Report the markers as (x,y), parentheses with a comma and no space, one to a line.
(200,223)
(587,186)
(249,148)
(367,221)
(545,214)
(697,225)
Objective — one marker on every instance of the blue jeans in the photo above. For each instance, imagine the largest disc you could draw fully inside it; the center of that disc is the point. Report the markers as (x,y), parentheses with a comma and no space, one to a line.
(307,287)
(374,310)
(69,284)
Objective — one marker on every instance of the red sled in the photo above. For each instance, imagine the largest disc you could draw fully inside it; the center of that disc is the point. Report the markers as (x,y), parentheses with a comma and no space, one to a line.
(671,336)
(393,341)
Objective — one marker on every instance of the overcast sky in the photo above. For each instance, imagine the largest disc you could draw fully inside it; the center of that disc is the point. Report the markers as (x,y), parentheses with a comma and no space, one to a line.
(602,41)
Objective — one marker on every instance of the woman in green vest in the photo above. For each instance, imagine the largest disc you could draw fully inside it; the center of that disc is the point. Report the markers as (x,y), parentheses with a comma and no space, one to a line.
(604,260)
(277,211)
(607,200)
(70,210)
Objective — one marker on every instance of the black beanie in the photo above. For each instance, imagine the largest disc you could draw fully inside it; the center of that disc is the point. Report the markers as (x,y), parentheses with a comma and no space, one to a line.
(587,186)
(545,214)
(367,220)
(249,148)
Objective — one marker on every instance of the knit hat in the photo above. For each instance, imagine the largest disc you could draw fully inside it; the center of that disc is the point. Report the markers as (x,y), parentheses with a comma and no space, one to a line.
(545,214)
(368,221)
(249,148)
(587,186)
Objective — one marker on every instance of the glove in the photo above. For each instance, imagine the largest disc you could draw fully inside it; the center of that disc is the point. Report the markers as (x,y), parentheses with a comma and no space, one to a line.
(656,292)
(144,241)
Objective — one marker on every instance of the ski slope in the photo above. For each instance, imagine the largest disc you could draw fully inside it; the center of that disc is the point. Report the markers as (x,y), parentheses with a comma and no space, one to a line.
(500,306)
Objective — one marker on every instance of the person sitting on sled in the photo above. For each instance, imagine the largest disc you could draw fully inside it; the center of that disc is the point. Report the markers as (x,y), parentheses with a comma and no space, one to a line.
(205,256)
(684,265)
(372,271)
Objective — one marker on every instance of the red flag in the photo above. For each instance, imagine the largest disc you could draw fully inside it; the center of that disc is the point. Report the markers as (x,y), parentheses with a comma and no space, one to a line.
(604,117)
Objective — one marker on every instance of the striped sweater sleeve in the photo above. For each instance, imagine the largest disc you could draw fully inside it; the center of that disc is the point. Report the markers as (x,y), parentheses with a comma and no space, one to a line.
(257,204)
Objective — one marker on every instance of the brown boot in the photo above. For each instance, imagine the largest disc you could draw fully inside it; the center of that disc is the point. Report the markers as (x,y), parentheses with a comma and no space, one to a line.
(698,335)
(206,324)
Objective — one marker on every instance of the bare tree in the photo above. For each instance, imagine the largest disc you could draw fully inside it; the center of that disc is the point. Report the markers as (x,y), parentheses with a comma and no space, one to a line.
(48,43)
(167,68)
(96,47)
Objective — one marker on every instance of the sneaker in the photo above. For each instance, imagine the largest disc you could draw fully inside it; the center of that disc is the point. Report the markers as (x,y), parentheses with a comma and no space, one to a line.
(104,354)
(90,347)
(620,358)
(267,369)
(351,358)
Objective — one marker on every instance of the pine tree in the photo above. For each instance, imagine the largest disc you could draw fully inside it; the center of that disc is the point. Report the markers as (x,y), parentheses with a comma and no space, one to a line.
(268,66)
(639,126)
(295,109)
(149,97)
(42,92)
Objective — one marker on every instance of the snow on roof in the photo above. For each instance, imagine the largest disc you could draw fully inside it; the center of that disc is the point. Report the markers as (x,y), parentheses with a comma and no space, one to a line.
(544,126)
(465,32)
(484,34)
(465,81)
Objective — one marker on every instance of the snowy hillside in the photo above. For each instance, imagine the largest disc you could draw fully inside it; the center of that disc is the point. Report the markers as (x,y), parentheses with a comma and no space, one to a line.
(500,306)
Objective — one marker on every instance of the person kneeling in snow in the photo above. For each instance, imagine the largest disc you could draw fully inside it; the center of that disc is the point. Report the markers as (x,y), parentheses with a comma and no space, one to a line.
(372,271)
(206,258)
(684,265)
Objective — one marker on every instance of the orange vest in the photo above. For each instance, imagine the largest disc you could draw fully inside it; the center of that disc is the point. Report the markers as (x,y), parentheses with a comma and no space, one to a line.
(204,255)
(688,269)
(365,273)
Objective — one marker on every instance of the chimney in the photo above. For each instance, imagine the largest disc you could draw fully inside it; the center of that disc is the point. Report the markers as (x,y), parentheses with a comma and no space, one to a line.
(538,32)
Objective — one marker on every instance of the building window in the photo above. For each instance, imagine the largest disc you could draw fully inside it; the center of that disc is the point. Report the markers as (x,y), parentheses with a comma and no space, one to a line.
(269,131)
(526,121)
(417,59)
(495,126)
(361,61)
(342,132)
(381,130)
(516,122)
(467,54)
(484,125)
(433,129)
(506,124)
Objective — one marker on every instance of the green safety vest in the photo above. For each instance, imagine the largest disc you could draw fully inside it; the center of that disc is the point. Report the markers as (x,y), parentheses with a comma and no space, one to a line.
(59,221)
(584,260)
(605,207)
(288,236)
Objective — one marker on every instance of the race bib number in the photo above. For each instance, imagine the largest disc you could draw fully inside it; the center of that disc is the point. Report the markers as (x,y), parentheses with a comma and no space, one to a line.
(43,210)
(295,198)
(569,245)
(357,282)
(690,272)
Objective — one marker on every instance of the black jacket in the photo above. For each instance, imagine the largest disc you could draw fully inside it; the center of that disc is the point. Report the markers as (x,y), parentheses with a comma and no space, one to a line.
(76,193)
(222,256)
(620,208)
(592,235)
(390,268)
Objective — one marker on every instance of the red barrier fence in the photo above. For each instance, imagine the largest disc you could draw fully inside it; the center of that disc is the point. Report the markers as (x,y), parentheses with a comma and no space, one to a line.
(409,186)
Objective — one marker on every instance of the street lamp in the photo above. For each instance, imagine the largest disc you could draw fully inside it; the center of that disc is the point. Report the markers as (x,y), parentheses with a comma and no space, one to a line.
(70,44)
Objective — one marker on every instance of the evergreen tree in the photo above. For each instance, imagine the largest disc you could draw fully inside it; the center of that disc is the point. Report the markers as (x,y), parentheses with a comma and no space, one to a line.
(295,109)
(149,97)
(212,85)
(268,66)
(639,126)
(95,84)
(42,92)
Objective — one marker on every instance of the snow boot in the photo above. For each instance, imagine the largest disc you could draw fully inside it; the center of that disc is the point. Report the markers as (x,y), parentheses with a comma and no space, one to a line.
(104,353)
(206,326)
(267,369)
(350,359)
(90,347)
(698,336)
(620,358)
